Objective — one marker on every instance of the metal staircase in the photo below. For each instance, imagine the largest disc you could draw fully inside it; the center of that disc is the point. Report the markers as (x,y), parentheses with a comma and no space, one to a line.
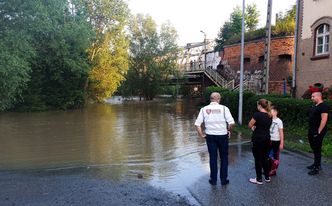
(222,82)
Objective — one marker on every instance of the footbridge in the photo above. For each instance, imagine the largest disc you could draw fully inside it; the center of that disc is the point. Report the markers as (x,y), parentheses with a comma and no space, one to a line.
(201,65)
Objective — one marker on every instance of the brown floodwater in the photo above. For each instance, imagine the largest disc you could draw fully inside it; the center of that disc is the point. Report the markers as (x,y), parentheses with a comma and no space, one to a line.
(155,141)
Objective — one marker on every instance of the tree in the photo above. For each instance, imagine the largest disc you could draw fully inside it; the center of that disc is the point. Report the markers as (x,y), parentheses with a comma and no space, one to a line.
(15,51)
(251,17)
(234,25)
(285,23)
(152,56)
(108,52)
(61,39)
(44,46)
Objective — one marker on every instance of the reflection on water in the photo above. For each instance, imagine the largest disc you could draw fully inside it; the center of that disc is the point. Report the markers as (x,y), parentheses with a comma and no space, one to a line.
(156,140)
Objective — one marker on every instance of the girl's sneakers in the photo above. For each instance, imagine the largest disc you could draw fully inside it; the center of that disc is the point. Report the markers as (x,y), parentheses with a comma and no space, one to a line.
(255,181)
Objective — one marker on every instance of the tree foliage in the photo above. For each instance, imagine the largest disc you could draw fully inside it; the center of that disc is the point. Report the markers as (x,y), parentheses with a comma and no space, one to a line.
(15,51)
(152,56)
(285,24)
(109,51)
(251,17)
(230,32)
(49,61)
(234,25)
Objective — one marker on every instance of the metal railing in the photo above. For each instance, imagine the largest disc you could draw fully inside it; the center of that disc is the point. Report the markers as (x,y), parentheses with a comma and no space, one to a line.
(248,85)
(213,75)
(230,84)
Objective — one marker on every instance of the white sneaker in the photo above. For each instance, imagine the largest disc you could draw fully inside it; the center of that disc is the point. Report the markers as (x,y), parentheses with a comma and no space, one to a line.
(254,181)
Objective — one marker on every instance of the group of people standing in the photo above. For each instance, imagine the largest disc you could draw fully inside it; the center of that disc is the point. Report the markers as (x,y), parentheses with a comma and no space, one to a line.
(267,136)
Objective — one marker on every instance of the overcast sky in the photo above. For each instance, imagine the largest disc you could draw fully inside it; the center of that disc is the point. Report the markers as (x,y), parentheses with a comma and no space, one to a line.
(191,16)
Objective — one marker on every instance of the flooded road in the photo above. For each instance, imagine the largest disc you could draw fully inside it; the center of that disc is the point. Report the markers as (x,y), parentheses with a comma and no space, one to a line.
(155,141)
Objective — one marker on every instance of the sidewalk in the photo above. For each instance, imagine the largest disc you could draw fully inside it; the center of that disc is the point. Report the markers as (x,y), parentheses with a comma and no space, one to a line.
(291,186)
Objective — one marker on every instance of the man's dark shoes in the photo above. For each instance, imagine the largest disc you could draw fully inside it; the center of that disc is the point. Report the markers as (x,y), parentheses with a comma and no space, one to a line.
(225,183)
(311,167)
(212,182)
(314,171)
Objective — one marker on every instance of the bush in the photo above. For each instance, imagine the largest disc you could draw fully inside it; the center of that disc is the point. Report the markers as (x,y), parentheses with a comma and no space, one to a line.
(281,30)
(293,112)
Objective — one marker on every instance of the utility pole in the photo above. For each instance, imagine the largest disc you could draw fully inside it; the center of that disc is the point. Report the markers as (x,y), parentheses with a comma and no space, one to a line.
(266,71)
(295,49)
(241,68)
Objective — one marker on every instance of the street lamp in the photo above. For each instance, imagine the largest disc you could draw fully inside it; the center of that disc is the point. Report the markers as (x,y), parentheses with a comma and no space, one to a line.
(204,35)
(241,67)
(204,50)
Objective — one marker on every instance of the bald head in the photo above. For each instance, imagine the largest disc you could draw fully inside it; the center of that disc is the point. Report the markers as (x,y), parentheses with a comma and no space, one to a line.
(215,97)
(317,97)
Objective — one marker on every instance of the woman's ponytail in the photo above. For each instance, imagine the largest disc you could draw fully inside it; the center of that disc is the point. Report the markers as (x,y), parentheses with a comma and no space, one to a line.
(265,105)
(269,108)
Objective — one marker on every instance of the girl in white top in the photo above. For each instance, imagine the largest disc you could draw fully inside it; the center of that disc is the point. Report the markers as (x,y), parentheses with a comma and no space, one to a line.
(277,134)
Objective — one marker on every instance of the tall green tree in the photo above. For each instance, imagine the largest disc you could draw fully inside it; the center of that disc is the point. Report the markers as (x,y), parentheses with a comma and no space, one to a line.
(251,17)
(15,50)
(108,53)
(234,25)
(153,56)
(43,54)
(61,38)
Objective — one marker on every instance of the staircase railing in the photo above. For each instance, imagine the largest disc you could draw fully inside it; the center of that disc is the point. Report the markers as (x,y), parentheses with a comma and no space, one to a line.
(246,85)
(230,84)
(215,77)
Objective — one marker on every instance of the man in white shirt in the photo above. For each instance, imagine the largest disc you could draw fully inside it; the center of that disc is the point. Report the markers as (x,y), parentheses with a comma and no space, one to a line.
(218,123)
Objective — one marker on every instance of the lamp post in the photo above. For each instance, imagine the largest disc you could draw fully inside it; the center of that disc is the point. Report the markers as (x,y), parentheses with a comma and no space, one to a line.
(204,49)
(204,35)
(241,68)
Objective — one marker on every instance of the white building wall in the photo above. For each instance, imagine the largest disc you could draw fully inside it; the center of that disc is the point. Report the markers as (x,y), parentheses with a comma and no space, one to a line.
(321,8)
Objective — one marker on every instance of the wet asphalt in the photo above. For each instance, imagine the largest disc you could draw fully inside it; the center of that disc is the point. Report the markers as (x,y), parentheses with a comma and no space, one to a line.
(81,186)
(291,186)
(79,189)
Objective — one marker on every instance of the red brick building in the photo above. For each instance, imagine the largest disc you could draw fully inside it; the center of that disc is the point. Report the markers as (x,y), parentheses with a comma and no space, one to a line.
(281,58)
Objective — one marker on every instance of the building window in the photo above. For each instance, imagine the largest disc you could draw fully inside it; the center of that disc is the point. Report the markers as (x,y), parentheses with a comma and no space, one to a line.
(322,39)
(261,59)
(285,57)
(246,60)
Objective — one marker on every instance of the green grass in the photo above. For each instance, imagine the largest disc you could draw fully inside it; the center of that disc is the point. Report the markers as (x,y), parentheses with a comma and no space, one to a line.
(296,140)
(243,129)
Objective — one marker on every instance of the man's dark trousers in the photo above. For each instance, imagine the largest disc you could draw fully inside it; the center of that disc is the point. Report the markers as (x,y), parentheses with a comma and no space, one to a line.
(217,143)
(316,141)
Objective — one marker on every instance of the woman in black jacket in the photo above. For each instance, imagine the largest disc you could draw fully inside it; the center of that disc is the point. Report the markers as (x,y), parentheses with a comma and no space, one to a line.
(260,124)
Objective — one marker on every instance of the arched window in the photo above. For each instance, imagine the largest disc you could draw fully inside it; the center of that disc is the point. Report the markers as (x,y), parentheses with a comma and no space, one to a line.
(322,39)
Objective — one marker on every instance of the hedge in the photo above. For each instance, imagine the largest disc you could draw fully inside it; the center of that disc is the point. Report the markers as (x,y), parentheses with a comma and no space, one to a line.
(293,112)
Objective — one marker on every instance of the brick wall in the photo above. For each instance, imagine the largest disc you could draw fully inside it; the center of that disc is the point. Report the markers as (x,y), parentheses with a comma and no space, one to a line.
(281,58)
(279,86)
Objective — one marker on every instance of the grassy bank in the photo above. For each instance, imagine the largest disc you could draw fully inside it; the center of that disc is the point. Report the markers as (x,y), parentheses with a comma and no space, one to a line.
(293,112)
(296,140)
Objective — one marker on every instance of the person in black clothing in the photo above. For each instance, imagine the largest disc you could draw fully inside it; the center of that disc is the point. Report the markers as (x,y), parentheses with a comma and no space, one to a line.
(260,124)
(318,117)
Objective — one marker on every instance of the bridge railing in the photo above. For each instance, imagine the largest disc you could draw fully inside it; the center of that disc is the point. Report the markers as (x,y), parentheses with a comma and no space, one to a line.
(217,78)
(192,67)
